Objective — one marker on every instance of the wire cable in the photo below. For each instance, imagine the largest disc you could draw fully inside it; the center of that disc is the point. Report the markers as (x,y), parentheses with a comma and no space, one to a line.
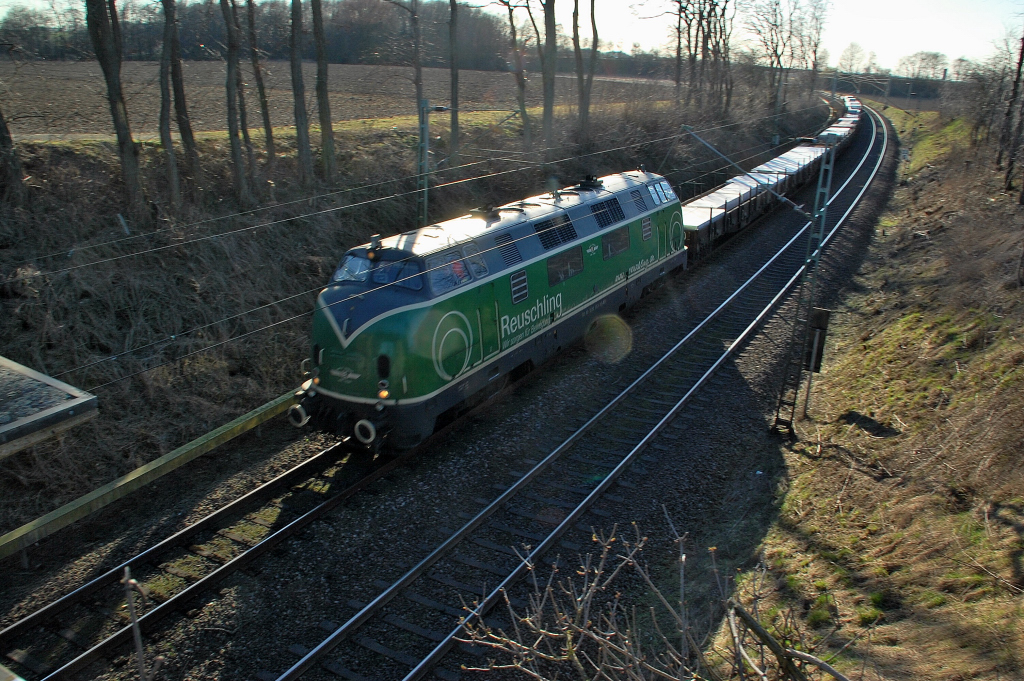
(307,292)
(367,202)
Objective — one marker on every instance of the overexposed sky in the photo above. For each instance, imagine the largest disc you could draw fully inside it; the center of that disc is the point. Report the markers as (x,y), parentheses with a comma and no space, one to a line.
(889,28)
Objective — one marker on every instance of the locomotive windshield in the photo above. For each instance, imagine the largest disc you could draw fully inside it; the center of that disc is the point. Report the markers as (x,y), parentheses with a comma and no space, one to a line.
(358,269)
(352,268)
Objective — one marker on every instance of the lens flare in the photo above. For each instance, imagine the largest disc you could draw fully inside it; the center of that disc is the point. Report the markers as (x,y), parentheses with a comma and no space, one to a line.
(609,339)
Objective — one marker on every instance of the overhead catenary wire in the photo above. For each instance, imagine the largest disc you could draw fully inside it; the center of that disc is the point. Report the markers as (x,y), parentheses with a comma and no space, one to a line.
(271,325)
(530,166)
(196,329)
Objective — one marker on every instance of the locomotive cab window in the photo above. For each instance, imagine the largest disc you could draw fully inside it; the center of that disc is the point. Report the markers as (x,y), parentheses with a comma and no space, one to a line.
(352,268)
(615,242)
(447,271)
(667,188)
(400,273)
(565,265)
(658,200)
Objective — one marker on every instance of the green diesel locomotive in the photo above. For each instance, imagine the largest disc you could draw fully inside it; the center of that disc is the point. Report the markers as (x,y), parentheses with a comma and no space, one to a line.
(415,328)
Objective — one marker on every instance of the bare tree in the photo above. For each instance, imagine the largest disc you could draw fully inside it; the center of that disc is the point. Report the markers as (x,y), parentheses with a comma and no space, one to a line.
(519,70)
(261,90)
(412,8)
(1004,137)
(243,113)
(453,68)
(173,181)
(305,156)
(323,93)
(809,38)
(105,33)
(11,184)
(548,64)
(188,140)
(584,77)
(771,22)
(237,164)
(851,59)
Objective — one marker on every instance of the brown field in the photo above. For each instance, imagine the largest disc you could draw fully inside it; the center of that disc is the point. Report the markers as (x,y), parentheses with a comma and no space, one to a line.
(67,100)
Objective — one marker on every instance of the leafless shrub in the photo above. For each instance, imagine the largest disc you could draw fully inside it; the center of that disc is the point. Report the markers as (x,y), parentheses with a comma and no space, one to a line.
(588,625)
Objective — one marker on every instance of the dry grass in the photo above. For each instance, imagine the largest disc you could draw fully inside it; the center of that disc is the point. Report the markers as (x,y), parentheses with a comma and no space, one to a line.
(904,505)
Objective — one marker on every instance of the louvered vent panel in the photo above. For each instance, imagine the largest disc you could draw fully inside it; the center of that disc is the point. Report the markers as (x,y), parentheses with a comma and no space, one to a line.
(607,212)
(508,249)
(520,291)
(557,230)
(638,201)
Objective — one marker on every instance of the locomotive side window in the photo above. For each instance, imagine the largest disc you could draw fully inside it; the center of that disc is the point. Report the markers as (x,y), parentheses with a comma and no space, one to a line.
(565,265)
(615,242)
(654,195)
(660,192)
(476,263)
(520,290)
(447,271)
(352,268)
(667,188)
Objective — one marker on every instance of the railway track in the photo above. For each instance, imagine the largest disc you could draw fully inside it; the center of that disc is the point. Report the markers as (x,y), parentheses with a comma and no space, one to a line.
(409,627)
(522,524)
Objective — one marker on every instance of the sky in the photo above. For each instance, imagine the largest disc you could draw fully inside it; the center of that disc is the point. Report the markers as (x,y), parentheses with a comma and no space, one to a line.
(889,28)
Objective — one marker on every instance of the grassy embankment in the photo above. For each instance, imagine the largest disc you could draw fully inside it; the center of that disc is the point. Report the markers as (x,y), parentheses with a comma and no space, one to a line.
(901,524)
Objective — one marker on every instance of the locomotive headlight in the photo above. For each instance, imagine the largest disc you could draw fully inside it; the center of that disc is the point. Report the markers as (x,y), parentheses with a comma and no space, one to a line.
(316,380)
(379,406)
(383,394)
(382,389)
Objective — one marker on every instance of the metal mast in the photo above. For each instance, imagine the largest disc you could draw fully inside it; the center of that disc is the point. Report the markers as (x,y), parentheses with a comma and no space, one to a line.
(785,412)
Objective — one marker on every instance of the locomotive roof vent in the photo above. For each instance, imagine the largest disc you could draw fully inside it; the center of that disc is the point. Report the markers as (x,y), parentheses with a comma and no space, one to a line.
(488,212)
(491,213)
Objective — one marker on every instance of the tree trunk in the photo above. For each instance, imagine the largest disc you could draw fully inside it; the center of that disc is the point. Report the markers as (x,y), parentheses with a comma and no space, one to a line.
(105,33)
(549,66)
(453,67)
(1020,263)
(520,74)
(323,94)
(261,90)
(188,140)
(1011,105)
(679,54)
(243,113)
(584,77)
(173,181)
(305,156)
(10,167)
(1012,149)
(231,85)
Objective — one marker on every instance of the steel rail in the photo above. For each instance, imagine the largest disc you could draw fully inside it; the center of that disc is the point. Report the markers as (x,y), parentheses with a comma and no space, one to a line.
(442,648)
(370,609)
(113,575)
(123,635)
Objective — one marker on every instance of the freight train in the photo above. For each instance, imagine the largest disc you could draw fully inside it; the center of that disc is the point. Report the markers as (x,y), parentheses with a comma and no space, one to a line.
(414,329)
